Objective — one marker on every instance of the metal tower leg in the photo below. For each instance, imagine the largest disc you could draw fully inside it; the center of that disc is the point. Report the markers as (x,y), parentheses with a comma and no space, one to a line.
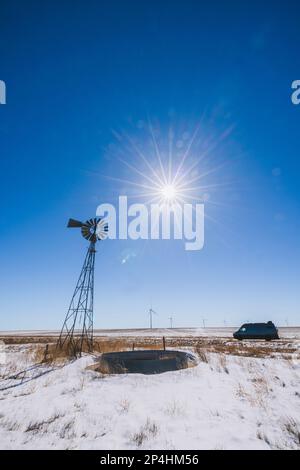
(77,332)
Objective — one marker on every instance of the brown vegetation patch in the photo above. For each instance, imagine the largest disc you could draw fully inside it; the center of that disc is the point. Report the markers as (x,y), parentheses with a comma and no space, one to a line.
(47,351)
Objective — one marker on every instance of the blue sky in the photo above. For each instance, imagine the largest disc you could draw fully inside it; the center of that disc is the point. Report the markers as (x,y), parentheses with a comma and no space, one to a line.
(79,72)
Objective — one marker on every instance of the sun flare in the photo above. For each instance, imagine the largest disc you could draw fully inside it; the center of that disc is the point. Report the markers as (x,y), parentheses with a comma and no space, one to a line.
(172,169)
(169,192)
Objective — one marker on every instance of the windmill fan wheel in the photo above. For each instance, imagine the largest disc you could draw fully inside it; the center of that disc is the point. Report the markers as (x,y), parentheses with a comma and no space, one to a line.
(94,229)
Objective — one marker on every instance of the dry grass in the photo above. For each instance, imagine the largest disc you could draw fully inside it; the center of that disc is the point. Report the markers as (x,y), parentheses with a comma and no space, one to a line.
(124,406)
(20,339)
(200,351)
(202,346)
(126,344)
(263,437)
(293,430)
(41,426)
(222,363)
(41,353)
(113,345)
(257,394)
(50,353)
(148,431)
(291,436)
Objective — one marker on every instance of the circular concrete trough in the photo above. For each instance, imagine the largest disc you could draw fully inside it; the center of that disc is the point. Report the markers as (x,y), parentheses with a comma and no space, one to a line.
(144,362)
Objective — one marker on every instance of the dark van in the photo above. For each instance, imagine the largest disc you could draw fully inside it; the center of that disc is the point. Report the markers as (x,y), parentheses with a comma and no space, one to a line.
(267,331)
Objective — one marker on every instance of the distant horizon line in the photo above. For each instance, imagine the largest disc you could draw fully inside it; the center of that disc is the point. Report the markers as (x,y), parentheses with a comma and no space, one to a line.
(57,331)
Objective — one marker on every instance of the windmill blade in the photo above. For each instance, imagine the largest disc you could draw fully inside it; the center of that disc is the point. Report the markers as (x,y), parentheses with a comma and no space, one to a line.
(102,229)
(91,222)
(86,233)
(74,223)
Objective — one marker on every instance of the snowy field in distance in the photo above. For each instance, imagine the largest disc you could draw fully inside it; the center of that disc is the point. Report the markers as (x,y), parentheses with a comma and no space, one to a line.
(284,332)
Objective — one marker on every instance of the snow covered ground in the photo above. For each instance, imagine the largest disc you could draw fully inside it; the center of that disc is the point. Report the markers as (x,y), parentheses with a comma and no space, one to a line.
(228,402)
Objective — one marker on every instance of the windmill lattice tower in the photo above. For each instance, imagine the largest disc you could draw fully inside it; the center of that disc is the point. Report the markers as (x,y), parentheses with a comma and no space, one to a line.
(77,331)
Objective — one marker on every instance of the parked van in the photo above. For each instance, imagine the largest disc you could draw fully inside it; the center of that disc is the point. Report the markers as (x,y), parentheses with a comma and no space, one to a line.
(267,331)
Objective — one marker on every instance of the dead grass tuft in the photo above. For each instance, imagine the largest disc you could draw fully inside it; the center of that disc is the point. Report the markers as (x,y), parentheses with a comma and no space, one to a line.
(149,430)
(124,406)
(67,431)
(222,366)
(293,430)
(263,437)
(41,426)
(257,394)
(201,353)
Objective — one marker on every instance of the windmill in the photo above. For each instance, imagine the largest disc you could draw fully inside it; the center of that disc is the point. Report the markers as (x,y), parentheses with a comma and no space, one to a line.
(151,312)
(171,322)
(77,329)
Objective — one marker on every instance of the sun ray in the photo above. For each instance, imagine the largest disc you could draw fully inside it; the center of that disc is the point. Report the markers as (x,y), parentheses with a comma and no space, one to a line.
(142,195)
(208,172)
(170,149)
(157,152)
(204,187)
(186,153)
(121,180)
(139,172)
(186,197)
(142,156)
(206,153)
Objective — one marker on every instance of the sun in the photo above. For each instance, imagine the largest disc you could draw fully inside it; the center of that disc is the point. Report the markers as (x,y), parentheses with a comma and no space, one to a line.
(174,171)
(169,192)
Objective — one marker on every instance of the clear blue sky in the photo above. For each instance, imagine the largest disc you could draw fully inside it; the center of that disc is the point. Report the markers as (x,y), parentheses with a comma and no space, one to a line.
(76,72)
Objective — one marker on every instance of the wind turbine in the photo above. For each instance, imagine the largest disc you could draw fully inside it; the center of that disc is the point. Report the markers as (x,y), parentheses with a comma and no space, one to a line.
(171,322)
(203,321)
(151,312)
